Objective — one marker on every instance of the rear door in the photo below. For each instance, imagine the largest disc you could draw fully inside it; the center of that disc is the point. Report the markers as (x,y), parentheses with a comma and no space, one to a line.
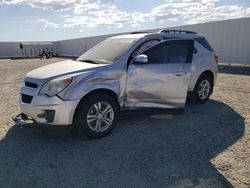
(163,81)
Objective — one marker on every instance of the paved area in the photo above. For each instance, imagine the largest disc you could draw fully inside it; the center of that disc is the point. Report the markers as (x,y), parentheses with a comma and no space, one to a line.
(207,146)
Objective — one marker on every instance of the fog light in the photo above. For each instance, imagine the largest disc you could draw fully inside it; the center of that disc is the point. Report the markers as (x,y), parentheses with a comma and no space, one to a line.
(49,115)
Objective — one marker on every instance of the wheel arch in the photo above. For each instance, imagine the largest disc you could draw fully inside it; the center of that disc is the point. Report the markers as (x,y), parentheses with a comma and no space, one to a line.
(97,91)
(209,73)
(204,72)
(101,90)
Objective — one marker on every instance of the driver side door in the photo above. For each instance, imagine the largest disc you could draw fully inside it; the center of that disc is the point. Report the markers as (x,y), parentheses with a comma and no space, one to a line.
(162,81)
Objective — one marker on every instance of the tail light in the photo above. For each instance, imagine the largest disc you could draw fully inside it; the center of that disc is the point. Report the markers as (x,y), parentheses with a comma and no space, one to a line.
(216,57)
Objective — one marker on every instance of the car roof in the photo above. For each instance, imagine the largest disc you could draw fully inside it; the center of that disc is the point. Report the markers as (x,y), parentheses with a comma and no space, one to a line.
(172,34)
(133,36)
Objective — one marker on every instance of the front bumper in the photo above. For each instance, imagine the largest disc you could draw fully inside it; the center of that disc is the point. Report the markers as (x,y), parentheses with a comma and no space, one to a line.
(49,110)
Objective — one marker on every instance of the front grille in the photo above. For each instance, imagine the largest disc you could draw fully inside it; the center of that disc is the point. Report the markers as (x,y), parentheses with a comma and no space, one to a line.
(26,98)
(32,85)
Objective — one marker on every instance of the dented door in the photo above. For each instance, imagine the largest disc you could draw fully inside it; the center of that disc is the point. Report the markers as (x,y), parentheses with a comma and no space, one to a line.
(163,81)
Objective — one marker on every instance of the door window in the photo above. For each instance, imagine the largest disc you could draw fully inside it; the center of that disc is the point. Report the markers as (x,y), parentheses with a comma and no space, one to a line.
(156,54)
(145,46)
(179,51)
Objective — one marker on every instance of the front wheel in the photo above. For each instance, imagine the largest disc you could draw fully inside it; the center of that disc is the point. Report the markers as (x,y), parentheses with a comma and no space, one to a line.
(202,90)
(97,115)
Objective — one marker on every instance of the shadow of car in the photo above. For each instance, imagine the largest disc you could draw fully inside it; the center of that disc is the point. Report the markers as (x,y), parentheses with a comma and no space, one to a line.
(145,150)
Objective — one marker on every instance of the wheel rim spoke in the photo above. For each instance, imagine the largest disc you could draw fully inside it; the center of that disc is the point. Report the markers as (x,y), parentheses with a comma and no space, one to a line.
(91,117)
(107,121)
(98,125)
(99,107)
(96,107)
(107,110)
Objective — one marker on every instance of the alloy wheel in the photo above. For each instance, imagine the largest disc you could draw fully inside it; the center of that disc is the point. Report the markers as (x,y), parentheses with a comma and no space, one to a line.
(100,116)
(204,89)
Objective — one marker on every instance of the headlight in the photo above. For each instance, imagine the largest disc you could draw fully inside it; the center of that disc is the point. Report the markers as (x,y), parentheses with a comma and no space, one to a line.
(55,86)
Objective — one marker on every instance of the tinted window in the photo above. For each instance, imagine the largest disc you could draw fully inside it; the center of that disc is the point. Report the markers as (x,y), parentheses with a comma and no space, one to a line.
(144,46)
(171,52)
(204,43)
(179,51)
(156,54)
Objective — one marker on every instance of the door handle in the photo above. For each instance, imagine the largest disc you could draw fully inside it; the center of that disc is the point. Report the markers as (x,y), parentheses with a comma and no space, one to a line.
(180,73)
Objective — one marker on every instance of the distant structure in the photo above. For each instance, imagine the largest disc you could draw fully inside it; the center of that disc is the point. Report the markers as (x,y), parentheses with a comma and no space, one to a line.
(32,49)
(229,38)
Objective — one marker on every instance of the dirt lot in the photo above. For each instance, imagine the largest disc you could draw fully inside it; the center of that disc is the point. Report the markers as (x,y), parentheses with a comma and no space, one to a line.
(208,146)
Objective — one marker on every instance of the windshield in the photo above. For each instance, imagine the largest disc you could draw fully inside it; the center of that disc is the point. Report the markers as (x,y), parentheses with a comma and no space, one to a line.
(107,51)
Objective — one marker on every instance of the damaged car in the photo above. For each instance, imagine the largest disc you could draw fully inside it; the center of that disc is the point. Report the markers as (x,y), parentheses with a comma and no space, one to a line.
(132,71)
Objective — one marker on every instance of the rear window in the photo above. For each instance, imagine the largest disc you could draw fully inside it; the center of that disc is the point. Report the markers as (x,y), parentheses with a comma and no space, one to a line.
(204,43)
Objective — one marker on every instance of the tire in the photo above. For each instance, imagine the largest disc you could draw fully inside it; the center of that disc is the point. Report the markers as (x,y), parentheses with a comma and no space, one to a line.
(196,96)
(94,122)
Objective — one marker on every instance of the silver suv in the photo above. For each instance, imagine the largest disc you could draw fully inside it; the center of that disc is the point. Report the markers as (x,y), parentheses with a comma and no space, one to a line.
(133,71)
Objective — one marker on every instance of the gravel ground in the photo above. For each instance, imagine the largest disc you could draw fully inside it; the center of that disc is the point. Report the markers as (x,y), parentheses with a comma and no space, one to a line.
(207,146)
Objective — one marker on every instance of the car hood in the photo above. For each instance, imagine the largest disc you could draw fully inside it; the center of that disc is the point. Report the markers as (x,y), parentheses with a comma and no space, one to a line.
(48,72)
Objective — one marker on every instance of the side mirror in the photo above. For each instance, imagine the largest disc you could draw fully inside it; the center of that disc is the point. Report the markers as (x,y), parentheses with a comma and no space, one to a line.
(140,59)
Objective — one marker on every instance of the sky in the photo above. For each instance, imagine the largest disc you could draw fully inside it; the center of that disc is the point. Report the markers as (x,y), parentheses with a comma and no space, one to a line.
(51,20)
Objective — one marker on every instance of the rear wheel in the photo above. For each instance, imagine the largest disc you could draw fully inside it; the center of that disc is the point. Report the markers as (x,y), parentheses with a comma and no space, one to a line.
(202,90)
(97,115)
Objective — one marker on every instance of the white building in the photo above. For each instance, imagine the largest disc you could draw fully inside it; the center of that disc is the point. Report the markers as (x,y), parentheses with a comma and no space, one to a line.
(229,38)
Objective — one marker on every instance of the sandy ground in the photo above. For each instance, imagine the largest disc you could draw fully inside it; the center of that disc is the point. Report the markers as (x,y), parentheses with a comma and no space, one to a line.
(208,146)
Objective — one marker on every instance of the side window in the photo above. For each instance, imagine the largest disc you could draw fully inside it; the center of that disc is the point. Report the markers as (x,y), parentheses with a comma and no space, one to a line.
(156,54)
(145,46)
(176,51)
(204,43)
(179,51)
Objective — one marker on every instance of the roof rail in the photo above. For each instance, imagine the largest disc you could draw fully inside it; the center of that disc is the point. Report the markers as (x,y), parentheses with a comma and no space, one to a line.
(177,31)
(140,32)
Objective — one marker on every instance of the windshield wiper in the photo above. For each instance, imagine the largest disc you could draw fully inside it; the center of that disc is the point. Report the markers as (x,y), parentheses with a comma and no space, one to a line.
(88,61)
